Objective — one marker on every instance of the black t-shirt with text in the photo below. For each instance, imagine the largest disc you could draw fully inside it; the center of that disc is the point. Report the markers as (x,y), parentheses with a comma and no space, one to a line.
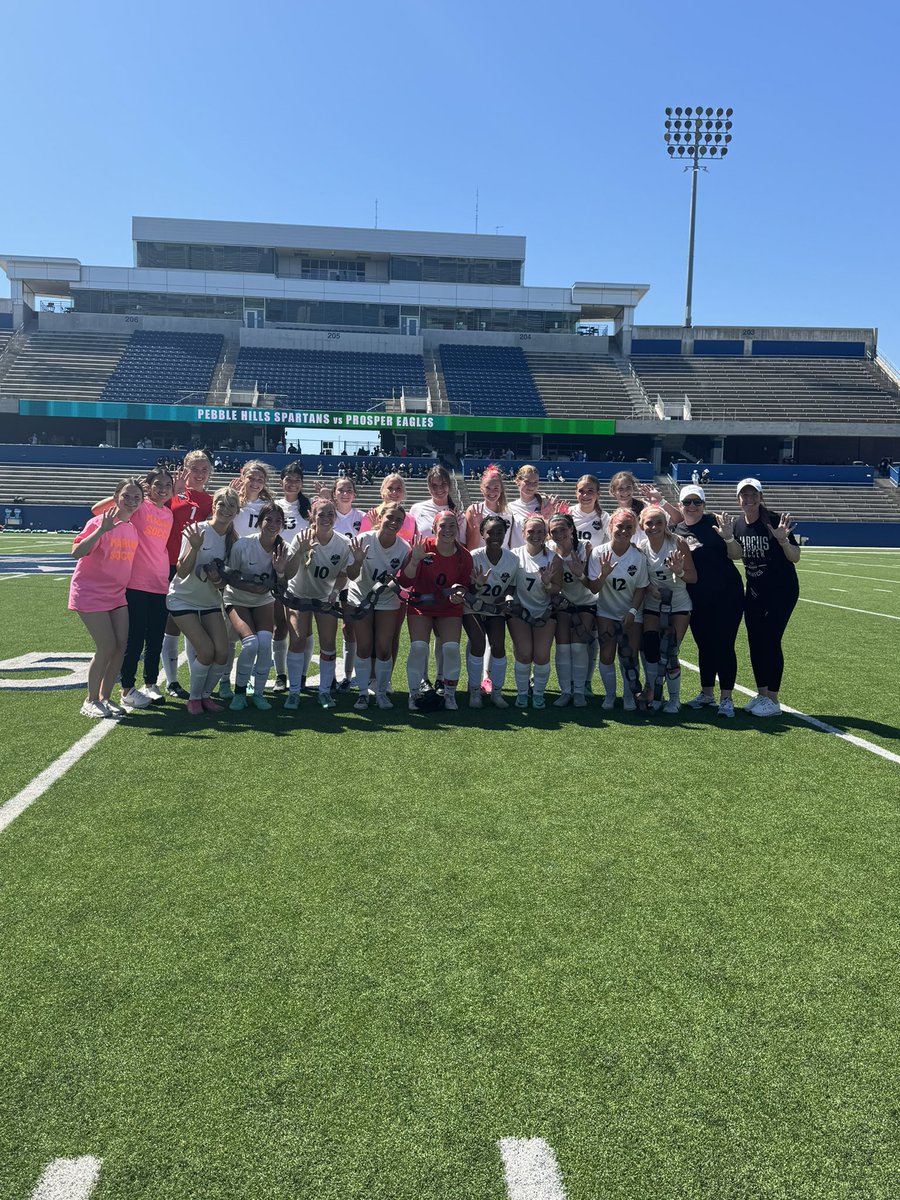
(716,573)
(765,564)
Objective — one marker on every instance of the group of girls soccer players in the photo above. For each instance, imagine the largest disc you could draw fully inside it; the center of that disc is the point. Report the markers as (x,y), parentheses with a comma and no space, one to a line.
(251,578)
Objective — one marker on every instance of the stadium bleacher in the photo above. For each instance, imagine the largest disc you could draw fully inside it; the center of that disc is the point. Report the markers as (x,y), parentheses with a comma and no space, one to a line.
(771,388)
(337,380)
(60,366)
(164,368)
(575,385)
(491,380)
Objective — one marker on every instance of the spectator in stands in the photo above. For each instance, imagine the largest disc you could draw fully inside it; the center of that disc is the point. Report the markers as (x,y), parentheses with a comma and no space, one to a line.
(104,552)
(769,550)
(717,597)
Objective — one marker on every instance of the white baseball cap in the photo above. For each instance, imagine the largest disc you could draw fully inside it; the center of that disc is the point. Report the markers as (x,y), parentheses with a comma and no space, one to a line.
(749,482)
(691,489)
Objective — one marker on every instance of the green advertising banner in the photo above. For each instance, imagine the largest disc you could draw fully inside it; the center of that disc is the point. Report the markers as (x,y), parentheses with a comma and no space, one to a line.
(362,421)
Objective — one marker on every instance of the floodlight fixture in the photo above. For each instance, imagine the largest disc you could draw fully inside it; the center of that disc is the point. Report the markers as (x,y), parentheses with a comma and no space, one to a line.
(703,133)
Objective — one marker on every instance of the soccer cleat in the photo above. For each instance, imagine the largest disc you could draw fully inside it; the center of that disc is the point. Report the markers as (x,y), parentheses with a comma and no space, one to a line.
(450,699)
(225,691)
(537,700)
(343,686)
(439,686)
(94,709)
(239,703)
(672,706)
(326,700)
(195,708)
(383,700)
(156,696)
(563,699)
(133,698)
(628,701)
(175,689)
(259,701)
(498,700)
(475,698)
(655,705)
(114,710)
(726,708)
(362,703)
(702,700)
(280,685)
(767,708)
(579,700)
(521,701)
(293,700)
(609,702)
(210,705)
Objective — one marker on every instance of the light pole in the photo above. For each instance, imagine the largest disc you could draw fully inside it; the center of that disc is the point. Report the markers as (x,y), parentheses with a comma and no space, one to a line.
(692,135)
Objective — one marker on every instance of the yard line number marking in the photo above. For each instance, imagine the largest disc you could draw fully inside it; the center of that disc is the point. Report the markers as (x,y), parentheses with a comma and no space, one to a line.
(530,1170)
(68,1179)
(815,722)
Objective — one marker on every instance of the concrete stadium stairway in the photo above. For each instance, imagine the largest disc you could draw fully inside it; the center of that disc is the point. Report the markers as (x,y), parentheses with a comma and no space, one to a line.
(62,366)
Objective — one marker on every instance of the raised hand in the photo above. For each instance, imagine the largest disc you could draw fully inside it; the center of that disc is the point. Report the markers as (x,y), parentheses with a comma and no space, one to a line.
(549,506)
(725,526)
(479,577)
(280,556)
(110,519)
(419,549)
(193,533)
(607,564)
(179,481)
(358,550)
(650,493)
(576,566)
(783,530)
(372,517)
(564,507)
(675,562)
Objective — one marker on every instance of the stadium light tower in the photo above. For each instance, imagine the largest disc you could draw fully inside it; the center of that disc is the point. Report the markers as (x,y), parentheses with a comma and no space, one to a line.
(695,136)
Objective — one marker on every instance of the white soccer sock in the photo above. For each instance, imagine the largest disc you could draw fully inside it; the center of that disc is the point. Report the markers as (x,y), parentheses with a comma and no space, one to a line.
(199,672)
(674,685)
(486,662)
(473,670)
(593,652)
(170,656)
(438,660)
(608,678)
(295,661)
(308,651)
(349,658)
(280,653)
(246,659)
(523,677)
(451,662)
(541,675)
(626,686)
(215,673)
(363,674)
(416,663)
(190,651)
(579,667)
(383,669)
(326,669)
(498,673)
(563,667)
(651,671)
(263,661)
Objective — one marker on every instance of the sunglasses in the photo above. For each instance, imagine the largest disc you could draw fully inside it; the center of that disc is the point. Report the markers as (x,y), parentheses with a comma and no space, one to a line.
(692,500)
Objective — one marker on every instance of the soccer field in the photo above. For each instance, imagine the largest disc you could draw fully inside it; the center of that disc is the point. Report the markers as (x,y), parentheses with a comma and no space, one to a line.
(524,954)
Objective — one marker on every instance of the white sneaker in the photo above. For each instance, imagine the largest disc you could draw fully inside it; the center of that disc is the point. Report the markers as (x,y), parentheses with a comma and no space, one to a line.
(750,706)
(135,698)
(726,707)
(702,700)
(450,700)
(475,700)
(383,700)
(497,699)
(609,702)
(96,711)
(767,708)
(564,699)
(672,706)
(628,701)
(151,690)
(114,710)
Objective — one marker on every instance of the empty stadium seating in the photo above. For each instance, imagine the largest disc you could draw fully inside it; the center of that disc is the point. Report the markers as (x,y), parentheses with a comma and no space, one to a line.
(575,385)
(63,366)
(810,502)
(164,368)
(336,380)
(798,389)
(492,380)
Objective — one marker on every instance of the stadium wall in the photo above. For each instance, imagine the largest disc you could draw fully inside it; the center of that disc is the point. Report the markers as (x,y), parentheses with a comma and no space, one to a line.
(772,473)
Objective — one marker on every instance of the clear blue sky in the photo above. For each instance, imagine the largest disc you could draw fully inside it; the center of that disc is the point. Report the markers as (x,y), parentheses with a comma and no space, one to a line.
(308,112)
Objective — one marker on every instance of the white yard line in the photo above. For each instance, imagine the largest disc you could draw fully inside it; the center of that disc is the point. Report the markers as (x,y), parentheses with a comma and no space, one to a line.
(18,575)
(815,722)
(530,1170)
(68,1179)
(34,790)
(842,590)
(848,575)
(844,608)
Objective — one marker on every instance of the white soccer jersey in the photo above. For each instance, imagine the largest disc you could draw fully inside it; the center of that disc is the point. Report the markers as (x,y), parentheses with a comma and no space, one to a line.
(572,587)
(518,511)
(592,527)
(194,592)
(254,563)
(501,576)
(293,521)
(379,565)
(424,513)
(530,590)
(316,581)
(629,573)
(348,523)
(247,520)
(663,576)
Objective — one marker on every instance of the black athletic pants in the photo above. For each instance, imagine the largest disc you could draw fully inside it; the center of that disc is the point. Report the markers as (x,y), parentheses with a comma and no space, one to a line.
(146,625)
(714,624)
(766,615)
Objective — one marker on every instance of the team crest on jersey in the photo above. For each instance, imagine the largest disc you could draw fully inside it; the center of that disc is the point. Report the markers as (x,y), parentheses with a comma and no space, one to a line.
(335,559)
(505,576)
(395,563)
(597,524)
(632,570)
